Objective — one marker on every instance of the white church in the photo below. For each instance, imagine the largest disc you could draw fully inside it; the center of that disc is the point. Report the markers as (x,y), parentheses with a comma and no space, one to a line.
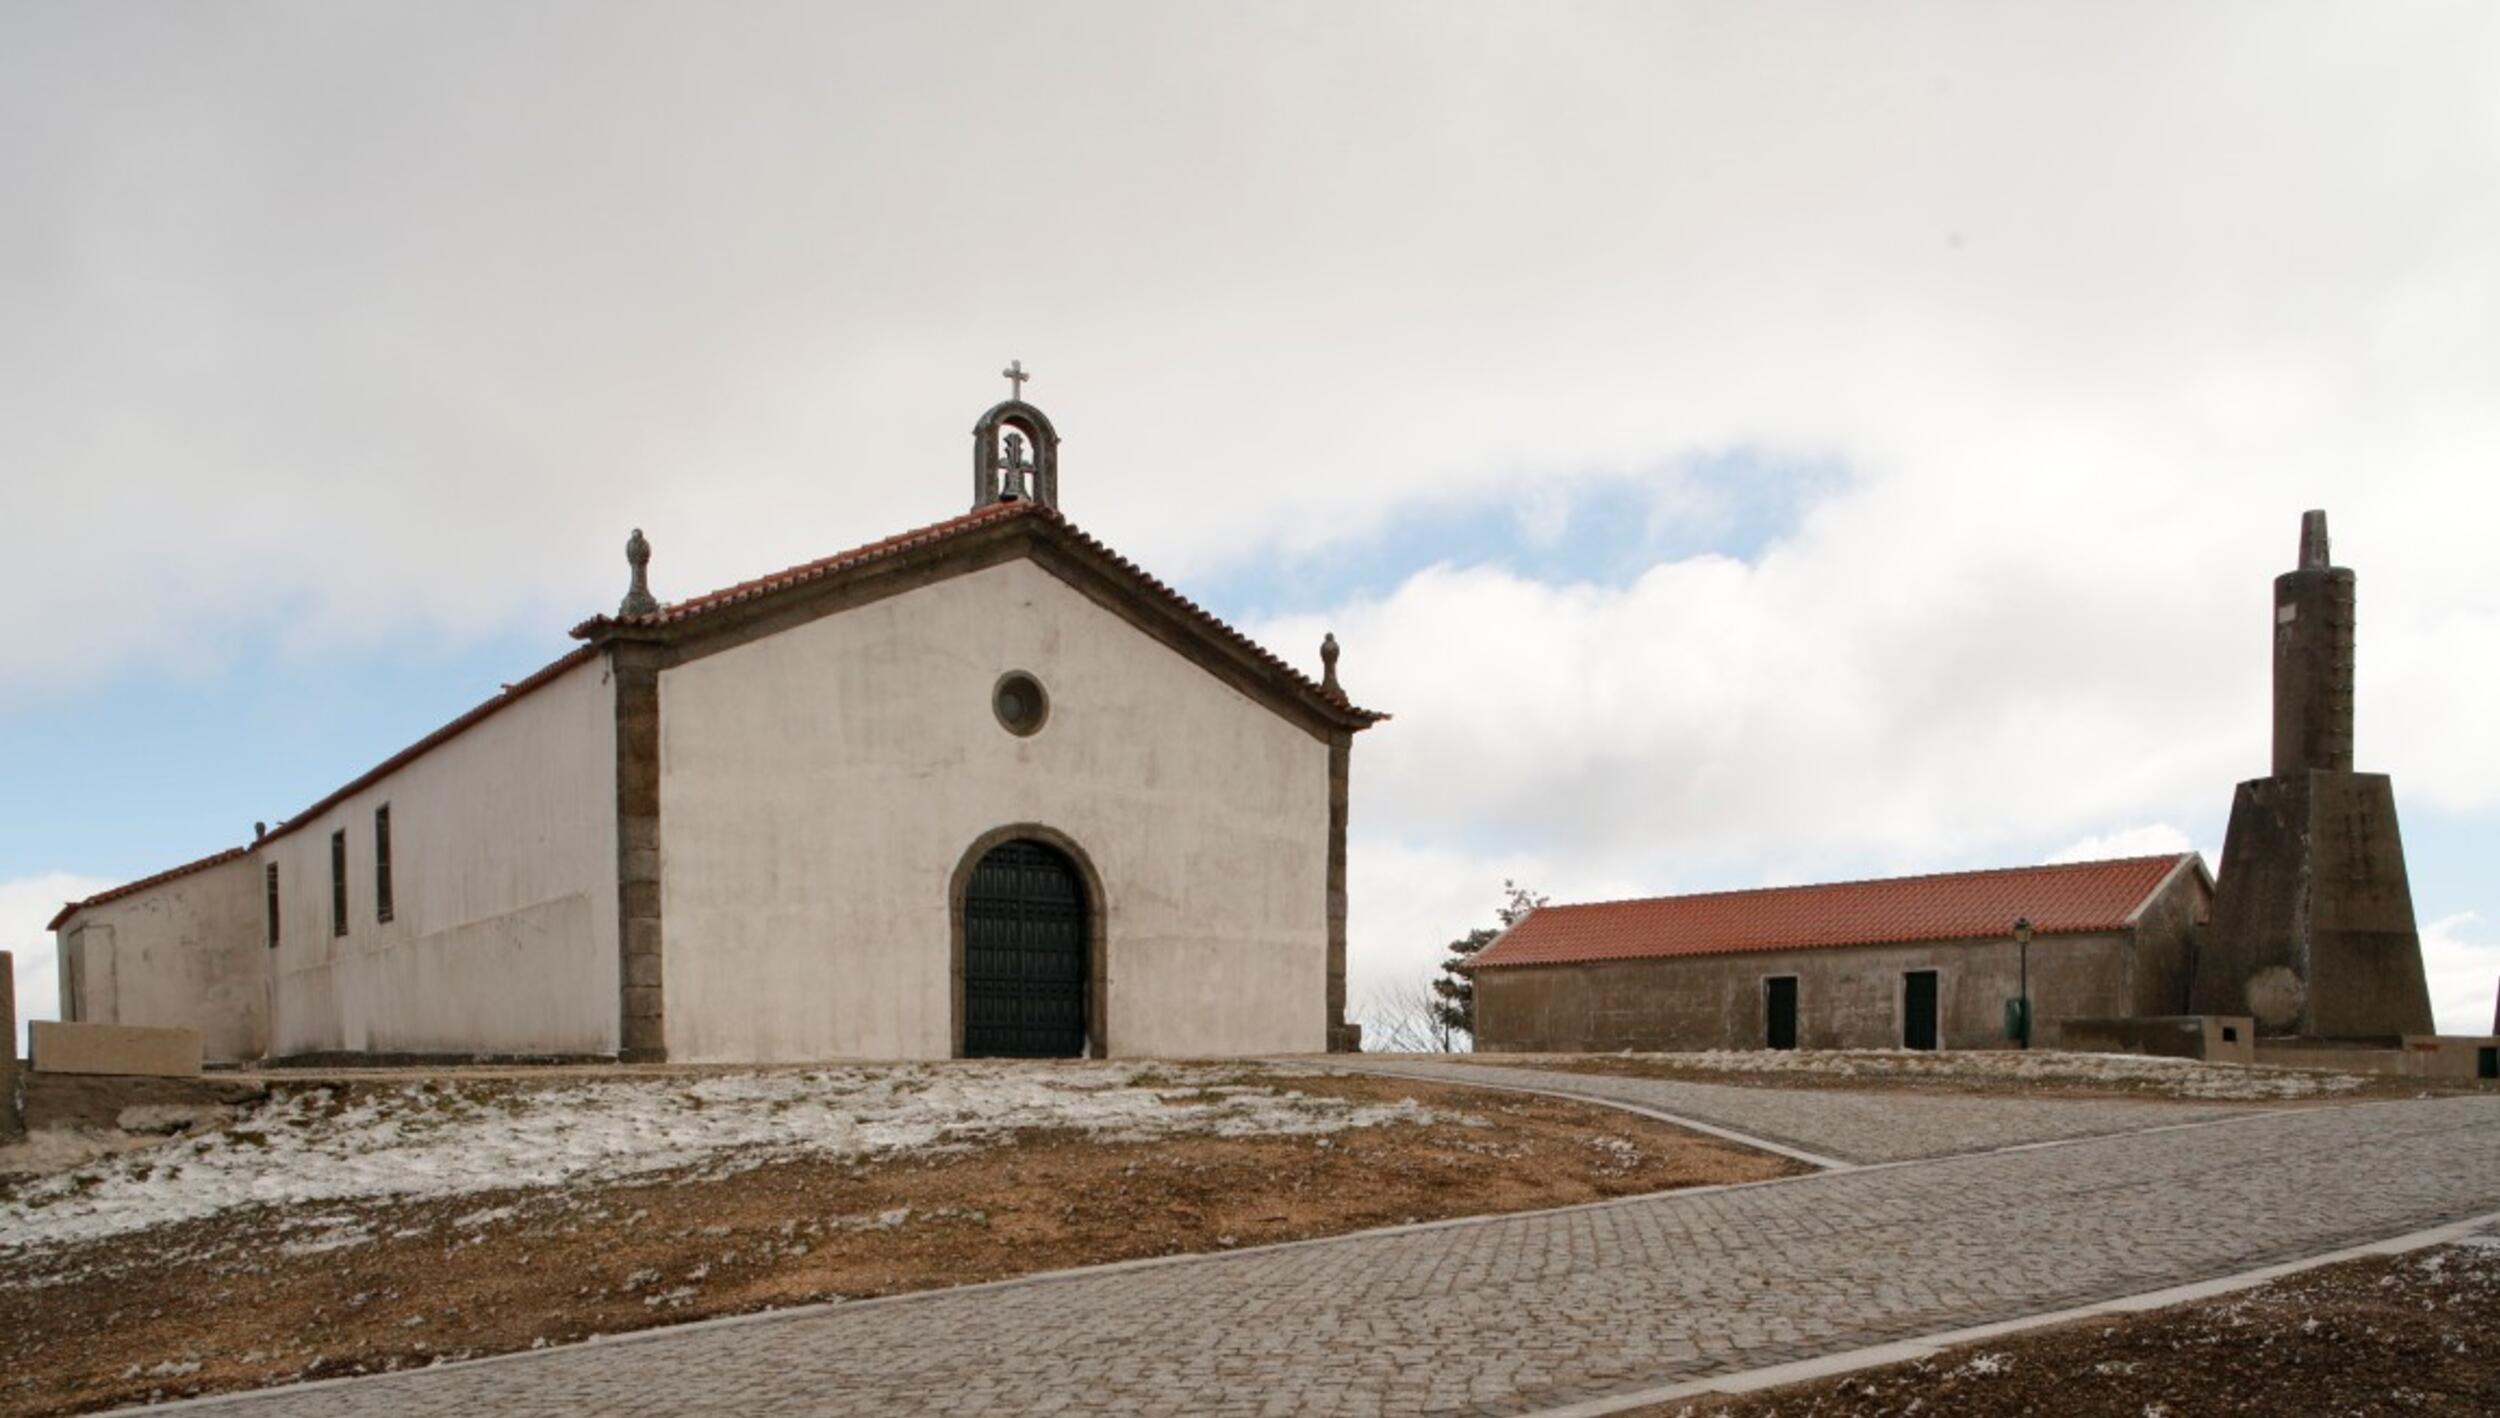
(981,789)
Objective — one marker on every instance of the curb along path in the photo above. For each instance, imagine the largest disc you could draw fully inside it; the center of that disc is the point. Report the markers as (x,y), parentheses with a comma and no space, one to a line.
(1860,1126)
(1513,1314)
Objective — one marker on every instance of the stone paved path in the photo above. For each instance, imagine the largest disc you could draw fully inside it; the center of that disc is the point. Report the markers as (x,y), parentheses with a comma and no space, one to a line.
(1510,1314)
(1869,1125)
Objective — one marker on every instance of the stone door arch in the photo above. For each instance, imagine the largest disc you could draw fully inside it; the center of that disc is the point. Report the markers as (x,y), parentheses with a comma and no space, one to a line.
(1027,914)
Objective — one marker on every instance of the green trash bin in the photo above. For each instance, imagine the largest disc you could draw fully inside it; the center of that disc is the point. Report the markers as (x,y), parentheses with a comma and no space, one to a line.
(2018,1019)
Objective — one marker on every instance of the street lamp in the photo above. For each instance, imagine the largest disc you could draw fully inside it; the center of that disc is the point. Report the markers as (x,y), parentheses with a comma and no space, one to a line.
(2022,939)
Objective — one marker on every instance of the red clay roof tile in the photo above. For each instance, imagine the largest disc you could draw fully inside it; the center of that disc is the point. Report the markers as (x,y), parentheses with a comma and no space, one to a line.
(2060,900)
(143,883)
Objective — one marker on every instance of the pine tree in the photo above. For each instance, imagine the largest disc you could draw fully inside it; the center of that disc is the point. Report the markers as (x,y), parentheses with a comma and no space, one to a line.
(1454,990)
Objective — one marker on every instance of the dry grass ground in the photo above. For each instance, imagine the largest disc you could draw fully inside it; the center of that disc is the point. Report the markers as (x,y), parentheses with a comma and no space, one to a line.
(262,1294)
(2407,1335)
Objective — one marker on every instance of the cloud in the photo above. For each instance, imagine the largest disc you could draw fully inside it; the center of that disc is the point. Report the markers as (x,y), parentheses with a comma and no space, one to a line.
(2461,955)
(336,332)
(2156,839)
(26,903)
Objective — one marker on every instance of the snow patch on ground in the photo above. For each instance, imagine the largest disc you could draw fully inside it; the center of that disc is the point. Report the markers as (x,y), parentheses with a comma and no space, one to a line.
(57,1149)
(310,1145)
(2189,1078)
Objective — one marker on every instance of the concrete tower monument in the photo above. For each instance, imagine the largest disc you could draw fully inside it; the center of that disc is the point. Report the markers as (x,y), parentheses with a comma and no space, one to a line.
(2313,930)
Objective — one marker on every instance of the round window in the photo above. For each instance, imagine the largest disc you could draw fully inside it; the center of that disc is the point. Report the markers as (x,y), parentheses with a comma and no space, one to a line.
(1019,702)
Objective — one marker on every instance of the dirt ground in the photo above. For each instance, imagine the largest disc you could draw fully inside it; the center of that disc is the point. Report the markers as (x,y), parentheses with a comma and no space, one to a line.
(2410,1335)
(1915,1075)
(216,1304)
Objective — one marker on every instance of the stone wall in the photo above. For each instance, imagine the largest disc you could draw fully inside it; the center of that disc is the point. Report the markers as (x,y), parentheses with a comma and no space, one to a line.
(2449,1056)
(59,1047)
(1847,998)
(2313,930)
(2176,1036)
(2169,934)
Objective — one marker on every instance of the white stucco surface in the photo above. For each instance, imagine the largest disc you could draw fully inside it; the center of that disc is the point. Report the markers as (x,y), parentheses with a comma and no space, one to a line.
(819,787)
(179,955)
(503,853)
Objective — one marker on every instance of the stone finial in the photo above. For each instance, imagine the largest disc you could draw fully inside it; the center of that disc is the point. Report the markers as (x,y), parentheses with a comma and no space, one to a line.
(259,830)
(2313,552)
(638,598)
(1328,664)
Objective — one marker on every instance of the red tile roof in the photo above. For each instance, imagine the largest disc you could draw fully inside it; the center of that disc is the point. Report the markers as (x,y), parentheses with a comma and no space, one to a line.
(2060,900)
(143,883)
(823,566)
(995,514)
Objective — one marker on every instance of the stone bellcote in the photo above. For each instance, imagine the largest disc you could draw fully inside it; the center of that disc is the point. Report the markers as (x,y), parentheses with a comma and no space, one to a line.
(1002,468)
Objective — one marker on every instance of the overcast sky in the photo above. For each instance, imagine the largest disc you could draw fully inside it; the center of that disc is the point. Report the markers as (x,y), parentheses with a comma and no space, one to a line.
(1741,444)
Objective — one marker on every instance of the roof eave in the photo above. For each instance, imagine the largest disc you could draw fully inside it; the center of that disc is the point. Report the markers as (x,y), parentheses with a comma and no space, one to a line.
(1032,524)
(1478,962)
(511,694)
(2186,862)
(132,888)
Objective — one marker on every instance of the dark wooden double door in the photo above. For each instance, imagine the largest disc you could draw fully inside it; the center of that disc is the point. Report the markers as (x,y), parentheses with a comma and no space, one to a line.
(1027,949)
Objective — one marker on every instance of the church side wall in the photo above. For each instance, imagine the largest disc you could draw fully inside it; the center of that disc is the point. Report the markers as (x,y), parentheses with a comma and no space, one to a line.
(183,955)
(820,785)
(503,937)
(1847,998)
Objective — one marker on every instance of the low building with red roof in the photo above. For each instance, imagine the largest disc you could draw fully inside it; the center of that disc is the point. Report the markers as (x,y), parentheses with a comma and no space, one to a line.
(1908,962)
(983,788)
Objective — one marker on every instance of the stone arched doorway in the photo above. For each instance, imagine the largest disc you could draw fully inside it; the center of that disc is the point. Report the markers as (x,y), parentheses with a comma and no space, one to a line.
(1028,949)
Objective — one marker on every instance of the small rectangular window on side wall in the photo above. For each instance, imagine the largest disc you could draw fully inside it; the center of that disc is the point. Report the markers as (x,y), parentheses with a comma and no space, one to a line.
(382,862)
(269,874)
(338,882)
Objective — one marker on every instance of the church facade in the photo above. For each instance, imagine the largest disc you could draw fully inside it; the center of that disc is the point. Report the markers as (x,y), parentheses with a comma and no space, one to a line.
(982,789)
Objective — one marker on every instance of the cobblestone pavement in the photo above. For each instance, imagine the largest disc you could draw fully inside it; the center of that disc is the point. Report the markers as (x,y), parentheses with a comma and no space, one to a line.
(1852,1126)
(1510,1314)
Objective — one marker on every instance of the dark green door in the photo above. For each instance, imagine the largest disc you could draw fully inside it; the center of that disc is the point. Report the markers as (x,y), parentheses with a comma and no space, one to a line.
(1024,955)
(1918,1009)
(1781,997)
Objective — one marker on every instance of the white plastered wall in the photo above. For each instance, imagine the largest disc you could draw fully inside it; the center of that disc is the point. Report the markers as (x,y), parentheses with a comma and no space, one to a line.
(181,955)
(820,785)
(503,936)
